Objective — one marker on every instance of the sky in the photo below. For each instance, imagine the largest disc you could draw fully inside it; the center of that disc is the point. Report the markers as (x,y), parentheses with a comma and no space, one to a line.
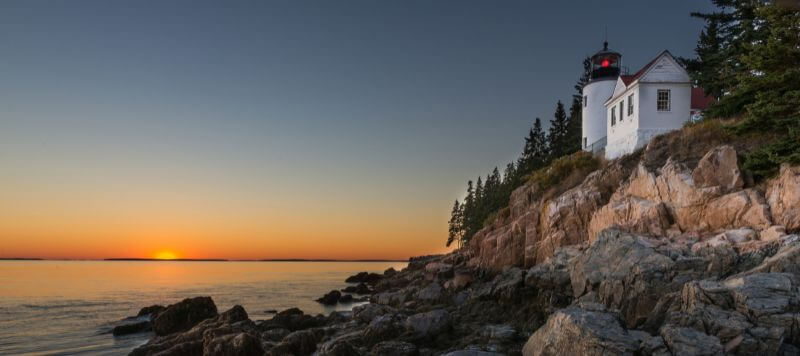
(281,129)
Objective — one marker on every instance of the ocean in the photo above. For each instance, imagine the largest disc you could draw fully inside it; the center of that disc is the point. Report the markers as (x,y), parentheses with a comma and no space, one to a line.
(70,307)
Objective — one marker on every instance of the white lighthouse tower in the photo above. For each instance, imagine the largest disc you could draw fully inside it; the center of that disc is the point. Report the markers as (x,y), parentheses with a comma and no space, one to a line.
(606,66)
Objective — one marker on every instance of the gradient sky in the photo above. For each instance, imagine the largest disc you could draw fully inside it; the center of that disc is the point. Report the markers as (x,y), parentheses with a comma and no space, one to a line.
(280,129)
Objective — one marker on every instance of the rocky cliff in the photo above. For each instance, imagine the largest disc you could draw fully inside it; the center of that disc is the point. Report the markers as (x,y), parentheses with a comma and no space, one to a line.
(670,251)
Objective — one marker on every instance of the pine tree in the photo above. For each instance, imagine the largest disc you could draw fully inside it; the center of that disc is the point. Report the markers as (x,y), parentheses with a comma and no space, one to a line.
(734,26)
(534,155)
(558,132)
(586,75)
(574,136)
(455,225)
(706,69)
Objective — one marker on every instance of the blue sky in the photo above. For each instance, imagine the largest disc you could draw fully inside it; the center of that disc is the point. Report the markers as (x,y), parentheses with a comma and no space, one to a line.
(291,107)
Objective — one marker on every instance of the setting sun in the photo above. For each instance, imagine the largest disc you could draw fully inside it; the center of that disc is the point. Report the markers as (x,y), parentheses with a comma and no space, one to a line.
(165,255)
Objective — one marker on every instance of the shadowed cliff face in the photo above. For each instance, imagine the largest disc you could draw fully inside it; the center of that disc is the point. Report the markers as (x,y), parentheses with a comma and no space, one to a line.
(700,204)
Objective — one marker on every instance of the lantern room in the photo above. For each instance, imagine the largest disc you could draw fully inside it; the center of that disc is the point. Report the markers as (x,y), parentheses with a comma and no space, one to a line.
(606,64)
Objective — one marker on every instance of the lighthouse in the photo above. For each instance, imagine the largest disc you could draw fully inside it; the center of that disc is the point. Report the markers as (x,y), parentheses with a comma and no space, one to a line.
(606,66)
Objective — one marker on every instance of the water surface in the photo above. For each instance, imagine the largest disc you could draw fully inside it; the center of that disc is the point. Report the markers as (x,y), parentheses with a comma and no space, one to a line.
(68,307)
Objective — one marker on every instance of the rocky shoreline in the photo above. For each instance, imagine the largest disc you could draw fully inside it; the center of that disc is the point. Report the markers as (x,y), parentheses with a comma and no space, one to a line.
(650,255)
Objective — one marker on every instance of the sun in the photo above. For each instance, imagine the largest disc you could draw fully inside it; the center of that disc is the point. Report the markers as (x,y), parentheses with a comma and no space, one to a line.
(165,255)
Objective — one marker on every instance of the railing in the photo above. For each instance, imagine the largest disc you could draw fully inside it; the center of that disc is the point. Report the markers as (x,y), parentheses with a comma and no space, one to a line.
(598,147)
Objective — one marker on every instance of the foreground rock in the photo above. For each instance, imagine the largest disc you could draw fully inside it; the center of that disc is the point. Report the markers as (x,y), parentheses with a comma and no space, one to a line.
(184,315)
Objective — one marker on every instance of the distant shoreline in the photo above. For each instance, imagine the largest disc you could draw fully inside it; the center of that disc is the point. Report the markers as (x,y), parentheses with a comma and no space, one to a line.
(199,260)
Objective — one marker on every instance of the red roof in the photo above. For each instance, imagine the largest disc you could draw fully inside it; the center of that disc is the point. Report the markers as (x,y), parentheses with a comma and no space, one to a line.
(627,79)
(700,101)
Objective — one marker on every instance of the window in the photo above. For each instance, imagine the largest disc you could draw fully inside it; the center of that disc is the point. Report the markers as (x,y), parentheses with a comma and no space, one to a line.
(584,142)
(621,103)
(630,105)
(585,100)
(613,117)
(663,100)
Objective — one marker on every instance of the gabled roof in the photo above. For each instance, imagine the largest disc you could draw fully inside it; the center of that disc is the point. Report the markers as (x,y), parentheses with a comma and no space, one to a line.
(627,80)
(700,101)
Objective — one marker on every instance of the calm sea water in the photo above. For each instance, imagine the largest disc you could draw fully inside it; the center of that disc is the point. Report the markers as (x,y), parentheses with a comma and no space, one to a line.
(69,307)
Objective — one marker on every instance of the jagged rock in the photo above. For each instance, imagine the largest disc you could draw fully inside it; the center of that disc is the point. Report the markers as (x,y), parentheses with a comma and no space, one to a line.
(340,345)
(783,195)
(299,343)
(472,353)
(461,278)
(429,324)
(438,271)
(364,277)
(719,168)
(577,331)
(629,274)
(275,334)
(152,311)
(184,315)
(191,342)
(394,348)
(292,319)
(365,313)
(360,288)
(330,298)
(132,328)
(432,292)
(238,344)
(690,342)
(499,333)
(389,272)
(381,328)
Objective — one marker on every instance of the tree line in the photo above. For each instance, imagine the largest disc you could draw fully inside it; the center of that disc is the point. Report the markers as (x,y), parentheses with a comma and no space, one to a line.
(486,196)
(748,58)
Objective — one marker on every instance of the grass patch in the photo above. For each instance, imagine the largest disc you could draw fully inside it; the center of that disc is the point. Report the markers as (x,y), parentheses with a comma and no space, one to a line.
(564,173)
(501,214)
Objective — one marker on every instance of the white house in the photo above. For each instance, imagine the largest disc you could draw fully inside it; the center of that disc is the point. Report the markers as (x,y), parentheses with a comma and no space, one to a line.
(657,99)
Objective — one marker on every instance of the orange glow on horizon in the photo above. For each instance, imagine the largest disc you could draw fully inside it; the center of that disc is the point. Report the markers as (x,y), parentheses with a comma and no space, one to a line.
(165,255)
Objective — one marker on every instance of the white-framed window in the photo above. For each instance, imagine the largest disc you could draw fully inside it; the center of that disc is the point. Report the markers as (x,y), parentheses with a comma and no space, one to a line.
(621,104)
(630,105)
(613,116)
(663,100)
(585,100)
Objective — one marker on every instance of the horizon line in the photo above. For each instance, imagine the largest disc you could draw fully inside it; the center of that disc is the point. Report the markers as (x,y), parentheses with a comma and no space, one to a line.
(201,259)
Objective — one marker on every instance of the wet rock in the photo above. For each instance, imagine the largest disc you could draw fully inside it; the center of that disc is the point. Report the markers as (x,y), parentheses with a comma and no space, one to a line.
(472,353)
(275,334)
(132,328)
(360,288)
(184,315)
(364,277)
(152,311)
(192,341)
(346,299)
(331,298)
(499,333)
(389,272)
(394,348)
(429,324)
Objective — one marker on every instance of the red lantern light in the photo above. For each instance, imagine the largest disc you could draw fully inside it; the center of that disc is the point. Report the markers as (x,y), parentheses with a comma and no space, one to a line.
(605,63)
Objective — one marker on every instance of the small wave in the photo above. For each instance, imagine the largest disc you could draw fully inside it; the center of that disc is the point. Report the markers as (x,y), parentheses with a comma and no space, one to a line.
(76,304)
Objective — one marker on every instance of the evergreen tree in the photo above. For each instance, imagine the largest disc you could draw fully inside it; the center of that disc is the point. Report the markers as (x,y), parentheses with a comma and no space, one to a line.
(771,85)
(534,155)
(733,27)
(574,137)
(558,132)
(586,75)
(705,70)
(455,225)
